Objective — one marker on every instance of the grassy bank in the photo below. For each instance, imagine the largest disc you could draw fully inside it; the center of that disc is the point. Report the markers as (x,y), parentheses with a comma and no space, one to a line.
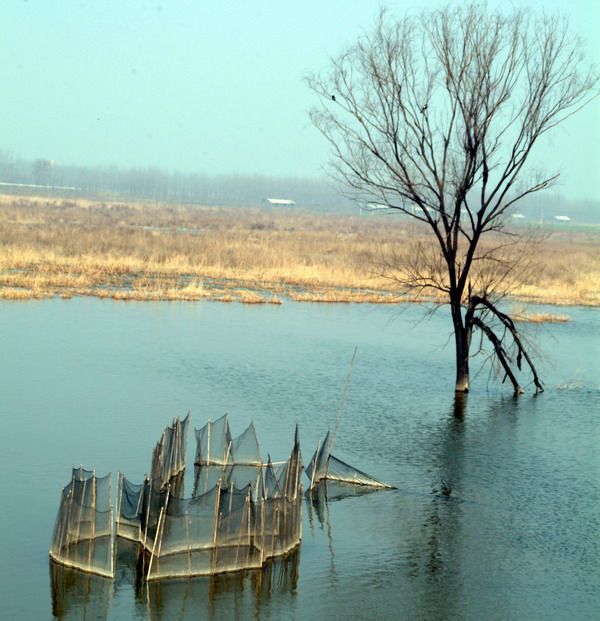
(156,252)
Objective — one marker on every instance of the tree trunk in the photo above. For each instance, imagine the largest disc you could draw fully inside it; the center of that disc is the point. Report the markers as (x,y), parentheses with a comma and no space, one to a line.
(462,339)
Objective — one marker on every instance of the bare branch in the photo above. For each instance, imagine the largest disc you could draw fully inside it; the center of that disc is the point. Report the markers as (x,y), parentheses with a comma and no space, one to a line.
(509,324)
(437,115)
(500,353)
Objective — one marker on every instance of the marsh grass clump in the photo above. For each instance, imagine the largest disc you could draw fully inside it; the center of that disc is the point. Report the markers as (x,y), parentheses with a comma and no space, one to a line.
(545,318)
(521,314)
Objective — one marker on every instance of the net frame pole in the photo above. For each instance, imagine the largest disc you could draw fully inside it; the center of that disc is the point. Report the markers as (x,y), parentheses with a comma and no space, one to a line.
(299,518)
(208,426)
(229,513)
(174,456)
(339,416)
(70,512)
(258,481)
(228,453)
(119,501)
(284,529)
(179,445)
(138,510)
(314,468)
(185,440)
(112,534)
(94,503)
(240,533)
(216,525)
(159,530)
(92,519)
(187,538)
(113,541)
(147,482)
(156,541)
(177,454)
(226,447)
(263,516)
(248,518)
(275,520)
(78,536)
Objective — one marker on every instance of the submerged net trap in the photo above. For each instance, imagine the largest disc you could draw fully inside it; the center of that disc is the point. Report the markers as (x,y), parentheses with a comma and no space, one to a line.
(236,518)
(241,513)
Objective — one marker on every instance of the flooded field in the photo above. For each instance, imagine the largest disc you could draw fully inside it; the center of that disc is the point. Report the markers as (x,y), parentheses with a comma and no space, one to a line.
(495,515)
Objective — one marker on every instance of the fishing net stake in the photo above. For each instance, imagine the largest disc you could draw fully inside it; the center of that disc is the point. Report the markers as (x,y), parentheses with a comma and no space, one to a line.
(339,416)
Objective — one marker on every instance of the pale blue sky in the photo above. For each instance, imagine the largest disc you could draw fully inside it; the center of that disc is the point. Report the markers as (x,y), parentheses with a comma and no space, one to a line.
(207,86)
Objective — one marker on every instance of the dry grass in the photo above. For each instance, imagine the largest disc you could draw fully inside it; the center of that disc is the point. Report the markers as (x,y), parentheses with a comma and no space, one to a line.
(253,256)
(521,314)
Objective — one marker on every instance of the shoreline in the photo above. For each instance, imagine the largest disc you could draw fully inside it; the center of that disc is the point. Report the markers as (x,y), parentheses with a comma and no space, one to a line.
(246,292)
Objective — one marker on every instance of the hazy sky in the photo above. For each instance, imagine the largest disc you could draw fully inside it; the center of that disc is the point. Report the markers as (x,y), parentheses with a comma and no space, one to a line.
(207,86)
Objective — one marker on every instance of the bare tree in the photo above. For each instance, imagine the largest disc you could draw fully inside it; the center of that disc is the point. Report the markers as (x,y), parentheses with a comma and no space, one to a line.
(435,115)
(41,170)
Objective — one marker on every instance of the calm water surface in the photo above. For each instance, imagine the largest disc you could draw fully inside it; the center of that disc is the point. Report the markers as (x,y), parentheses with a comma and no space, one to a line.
(497,511)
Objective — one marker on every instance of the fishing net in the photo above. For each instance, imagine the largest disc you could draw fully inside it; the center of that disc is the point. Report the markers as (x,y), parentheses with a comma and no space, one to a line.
(213,442)
(215,446)
(326,467)
(206,477)
(82,536)
(317,468)
(231,522)
(339,470)
(245,449)
(168,457)
(130,499)
(241,512)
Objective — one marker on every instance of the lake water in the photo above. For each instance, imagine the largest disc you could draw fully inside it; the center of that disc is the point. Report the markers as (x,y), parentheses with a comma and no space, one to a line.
(497,511)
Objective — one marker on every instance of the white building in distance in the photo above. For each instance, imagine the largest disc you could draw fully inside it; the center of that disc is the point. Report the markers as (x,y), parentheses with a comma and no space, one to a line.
(281,202)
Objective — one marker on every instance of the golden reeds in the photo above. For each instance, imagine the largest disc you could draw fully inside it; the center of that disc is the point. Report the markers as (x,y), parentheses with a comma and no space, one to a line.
(521,314)
(254,256)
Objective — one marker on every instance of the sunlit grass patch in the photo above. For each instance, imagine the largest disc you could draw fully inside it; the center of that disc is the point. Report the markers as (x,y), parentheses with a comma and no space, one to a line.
(544,318)
(345,296)
(521,314)
(17,293)
(249,297)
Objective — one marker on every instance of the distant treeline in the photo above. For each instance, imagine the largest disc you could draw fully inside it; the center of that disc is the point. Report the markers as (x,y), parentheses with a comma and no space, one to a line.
(46,177)
(156,184)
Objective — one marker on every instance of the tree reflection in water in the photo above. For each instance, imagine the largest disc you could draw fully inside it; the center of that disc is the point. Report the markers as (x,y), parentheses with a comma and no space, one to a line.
(433,551)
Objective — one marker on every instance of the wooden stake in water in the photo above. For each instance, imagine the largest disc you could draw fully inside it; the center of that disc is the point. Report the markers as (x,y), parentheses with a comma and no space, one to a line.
(337,422)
